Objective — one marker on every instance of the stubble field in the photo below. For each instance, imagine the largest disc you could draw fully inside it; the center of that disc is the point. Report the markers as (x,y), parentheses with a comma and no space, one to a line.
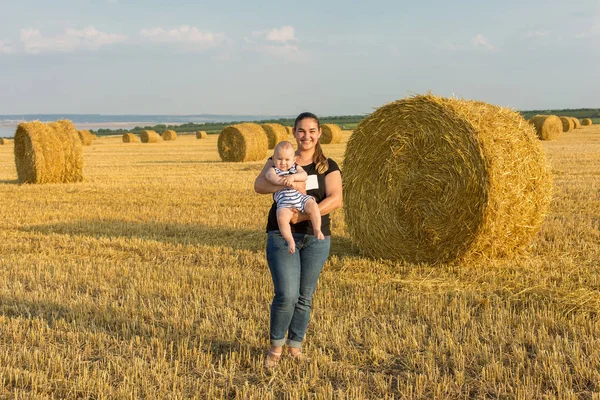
(149,280)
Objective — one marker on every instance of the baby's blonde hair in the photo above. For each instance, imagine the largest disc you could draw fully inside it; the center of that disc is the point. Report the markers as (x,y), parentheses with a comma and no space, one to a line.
(283,146)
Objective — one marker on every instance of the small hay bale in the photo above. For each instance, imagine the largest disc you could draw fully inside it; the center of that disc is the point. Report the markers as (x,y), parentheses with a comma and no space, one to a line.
(275,133)
(547,127)
(48,153)
(201,135)
(95,137)
(586,122)
(5,141)
(169,135)
(290,130)
(130,138)
(567,123)
(430,179)
(331,134)
(576,122)
(242,142)
(86,137)
(149,137)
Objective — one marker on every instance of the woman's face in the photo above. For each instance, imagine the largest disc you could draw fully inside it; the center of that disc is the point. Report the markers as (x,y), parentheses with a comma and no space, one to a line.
(307,133)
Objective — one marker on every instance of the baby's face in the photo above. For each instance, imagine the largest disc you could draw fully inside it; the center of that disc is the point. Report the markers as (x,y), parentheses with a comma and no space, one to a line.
(284,158)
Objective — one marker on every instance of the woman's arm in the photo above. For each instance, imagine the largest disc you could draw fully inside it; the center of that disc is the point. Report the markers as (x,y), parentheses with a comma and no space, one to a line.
(263,186)
(332,201)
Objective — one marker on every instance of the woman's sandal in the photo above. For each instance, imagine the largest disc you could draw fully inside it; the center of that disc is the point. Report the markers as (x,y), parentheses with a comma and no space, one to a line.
(272,359)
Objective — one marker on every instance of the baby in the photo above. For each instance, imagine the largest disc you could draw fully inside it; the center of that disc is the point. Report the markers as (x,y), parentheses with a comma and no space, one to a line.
(286,172)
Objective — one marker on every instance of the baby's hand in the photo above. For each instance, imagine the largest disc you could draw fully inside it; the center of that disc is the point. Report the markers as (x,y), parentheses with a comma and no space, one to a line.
(288,180)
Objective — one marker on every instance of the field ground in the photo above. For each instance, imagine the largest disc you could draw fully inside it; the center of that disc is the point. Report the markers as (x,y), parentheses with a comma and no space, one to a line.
(149,280)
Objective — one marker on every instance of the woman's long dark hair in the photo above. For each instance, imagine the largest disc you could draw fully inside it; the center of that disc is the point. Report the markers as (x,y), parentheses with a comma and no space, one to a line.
(318,158)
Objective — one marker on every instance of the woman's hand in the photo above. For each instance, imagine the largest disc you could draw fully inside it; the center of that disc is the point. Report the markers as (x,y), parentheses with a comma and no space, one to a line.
(297,216)
(299,186)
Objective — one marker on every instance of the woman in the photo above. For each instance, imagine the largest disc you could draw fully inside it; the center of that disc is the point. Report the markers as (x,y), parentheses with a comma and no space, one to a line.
(295,275)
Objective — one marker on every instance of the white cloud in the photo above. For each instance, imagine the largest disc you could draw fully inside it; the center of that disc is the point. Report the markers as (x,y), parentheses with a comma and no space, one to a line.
(88,38)
(274,42)
(538,34)
(5,47)
(481,41)
(282,35)
(183,34)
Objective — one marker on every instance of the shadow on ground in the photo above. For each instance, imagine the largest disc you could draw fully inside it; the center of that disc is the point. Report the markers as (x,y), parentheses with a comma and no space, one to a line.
(187,234)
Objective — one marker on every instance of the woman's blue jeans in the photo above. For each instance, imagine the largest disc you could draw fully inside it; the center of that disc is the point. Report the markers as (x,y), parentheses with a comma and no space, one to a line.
(295,279)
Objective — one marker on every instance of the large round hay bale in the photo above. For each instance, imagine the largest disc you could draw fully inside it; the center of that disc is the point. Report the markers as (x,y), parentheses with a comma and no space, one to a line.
(586,122)
(275,133)
(567,123)
(547,127)
(129,138)
(242,142)
(290,130)
(86,137)
(169,135)
(331,134)
(576,122)
(48,153)
(201,135)
(149,137)
(5,141)
(430,179)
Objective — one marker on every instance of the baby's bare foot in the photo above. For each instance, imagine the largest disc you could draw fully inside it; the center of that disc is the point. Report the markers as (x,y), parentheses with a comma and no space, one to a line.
(291,247)
(319,235)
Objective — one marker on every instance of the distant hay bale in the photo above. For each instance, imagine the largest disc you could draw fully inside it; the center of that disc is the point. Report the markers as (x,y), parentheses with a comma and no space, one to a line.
(86,137)
(242,142)
(169,135)
(547,127)
(586,122)
(567,123)
(290,130)
(129,138)
(430,179)
(576,122)
(201,135)
(95,137)
(5,141)
(331,134)
(149,137)
(275,133)
(48,152)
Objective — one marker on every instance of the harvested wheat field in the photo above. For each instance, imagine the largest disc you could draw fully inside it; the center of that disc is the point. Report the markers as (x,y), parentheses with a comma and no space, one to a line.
(149,280)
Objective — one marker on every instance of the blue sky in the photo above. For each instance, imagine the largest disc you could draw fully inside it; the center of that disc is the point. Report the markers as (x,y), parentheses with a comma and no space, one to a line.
(284,57)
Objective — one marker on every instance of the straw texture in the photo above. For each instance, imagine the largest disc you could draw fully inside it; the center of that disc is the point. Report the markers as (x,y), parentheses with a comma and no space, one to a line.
(331,134)
(86,137)
(586,122)
(149,137)
(430,179)
(48,153)
(567,123)
(275,133)
(201,135)
(169,135)
(547,127)
(129,138)
(242,142)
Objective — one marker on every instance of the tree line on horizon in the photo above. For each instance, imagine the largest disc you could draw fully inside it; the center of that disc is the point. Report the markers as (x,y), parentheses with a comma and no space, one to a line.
(345,122)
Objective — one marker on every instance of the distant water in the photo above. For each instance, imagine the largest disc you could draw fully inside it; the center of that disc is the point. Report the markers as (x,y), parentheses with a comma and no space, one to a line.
(8,123)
